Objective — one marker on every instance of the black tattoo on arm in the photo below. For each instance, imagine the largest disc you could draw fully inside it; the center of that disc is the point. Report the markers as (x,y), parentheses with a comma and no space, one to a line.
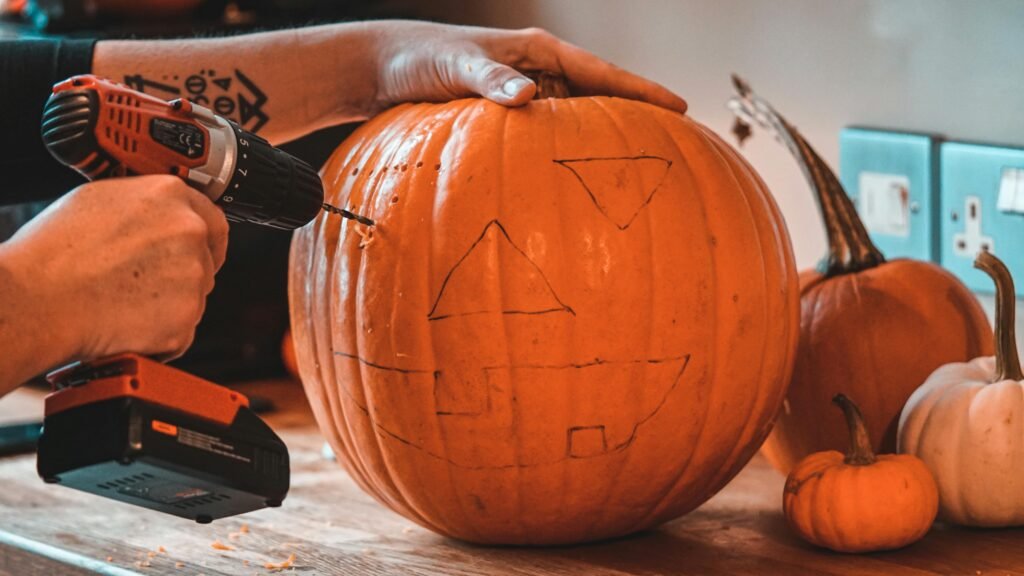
(232,96)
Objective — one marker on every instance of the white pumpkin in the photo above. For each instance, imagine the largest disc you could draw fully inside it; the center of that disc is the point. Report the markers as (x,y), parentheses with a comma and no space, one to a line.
(967,423)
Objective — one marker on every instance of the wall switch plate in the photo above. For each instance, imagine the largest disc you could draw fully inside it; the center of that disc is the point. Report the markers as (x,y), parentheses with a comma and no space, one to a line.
(893,179)
(982,208)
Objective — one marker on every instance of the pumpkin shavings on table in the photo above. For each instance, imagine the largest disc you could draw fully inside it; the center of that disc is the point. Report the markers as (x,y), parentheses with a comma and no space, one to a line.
(287,563)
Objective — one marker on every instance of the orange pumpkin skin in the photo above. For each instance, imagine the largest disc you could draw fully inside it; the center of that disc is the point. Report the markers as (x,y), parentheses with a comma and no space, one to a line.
(288,355)
(875,335)
(856,508)
(573,320)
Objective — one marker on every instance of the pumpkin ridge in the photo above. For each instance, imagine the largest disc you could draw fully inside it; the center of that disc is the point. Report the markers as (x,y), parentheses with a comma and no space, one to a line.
(677,478)
(306,332)
(792,298)
(822,529)
(500,177)
(813,334)
(612,487)
(497,183)
(321,230)
(759,404)
(466,114)
(568,344)
(365,458)
(368,457)
(962,454)
(872,355)
(324,231)
(413,122)
(947,396)
(723,156)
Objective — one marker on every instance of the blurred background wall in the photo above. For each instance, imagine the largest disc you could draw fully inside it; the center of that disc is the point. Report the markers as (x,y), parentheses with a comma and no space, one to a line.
(954,67)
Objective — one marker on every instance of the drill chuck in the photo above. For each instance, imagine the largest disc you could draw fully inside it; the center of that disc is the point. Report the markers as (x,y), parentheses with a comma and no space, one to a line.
(269,186)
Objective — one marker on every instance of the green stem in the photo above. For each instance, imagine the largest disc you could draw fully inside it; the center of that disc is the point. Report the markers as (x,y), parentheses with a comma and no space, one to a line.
(860,452)
(1007,361)
(850,249)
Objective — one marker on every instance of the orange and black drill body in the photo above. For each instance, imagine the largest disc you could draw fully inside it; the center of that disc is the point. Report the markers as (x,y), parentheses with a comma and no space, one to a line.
(101,129)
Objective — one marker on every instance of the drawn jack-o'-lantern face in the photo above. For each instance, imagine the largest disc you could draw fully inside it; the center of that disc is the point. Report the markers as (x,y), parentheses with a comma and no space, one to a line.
(573,320)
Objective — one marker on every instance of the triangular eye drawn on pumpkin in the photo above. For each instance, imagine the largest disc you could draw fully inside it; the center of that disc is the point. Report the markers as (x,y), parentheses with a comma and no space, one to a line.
(620,186)
(524,287)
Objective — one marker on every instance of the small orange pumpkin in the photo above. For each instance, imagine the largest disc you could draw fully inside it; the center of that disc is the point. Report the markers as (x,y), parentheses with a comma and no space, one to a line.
(860,502)
(574,320)
(869,327)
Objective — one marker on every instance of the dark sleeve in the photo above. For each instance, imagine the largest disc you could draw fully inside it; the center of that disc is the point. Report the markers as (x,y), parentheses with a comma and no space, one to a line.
(28,70)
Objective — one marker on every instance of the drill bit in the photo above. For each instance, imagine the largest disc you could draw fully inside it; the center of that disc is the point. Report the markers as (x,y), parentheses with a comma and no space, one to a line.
(350,215)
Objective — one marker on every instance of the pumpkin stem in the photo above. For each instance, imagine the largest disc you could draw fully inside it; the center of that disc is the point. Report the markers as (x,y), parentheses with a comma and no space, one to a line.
(549,85)
(1007,361)
(860,452)
(850,249)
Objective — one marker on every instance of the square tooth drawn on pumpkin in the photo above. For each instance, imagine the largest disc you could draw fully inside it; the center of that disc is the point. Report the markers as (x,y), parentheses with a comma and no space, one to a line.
(614,374)
(586,441)
(609,181)
(524,287)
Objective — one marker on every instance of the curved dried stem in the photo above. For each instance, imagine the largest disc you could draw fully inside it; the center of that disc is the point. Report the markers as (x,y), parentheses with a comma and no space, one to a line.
(1007,361)
(860,452)
(850,249)
(549,85)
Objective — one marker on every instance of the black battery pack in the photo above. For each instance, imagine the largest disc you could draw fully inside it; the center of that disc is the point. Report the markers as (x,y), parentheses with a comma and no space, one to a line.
(140,452)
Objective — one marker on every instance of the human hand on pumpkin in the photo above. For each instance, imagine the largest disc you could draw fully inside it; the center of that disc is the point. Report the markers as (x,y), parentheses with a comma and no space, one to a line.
(116,265)
(422,61)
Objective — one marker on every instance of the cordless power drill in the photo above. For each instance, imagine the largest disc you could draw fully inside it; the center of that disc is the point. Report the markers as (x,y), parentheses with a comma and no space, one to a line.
(130,428)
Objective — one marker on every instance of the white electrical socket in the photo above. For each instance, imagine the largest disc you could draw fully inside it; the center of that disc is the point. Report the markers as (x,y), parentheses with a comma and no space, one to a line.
(971,241)
(1011,191)
(981,188)
(884,203)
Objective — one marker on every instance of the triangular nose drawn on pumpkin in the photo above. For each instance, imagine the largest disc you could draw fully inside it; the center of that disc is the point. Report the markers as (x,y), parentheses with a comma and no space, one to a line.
(494,257)
(621,186)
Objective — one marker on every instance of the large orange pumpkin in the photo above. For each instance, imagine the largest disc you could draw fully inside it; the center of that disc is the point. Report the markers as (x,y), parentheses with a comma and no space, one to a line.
(869,328)
(573,320)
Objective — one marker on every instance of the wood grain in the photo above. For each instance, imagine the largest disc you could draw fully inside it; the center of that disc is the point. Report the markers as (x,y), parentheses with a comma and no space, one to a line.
(333,528)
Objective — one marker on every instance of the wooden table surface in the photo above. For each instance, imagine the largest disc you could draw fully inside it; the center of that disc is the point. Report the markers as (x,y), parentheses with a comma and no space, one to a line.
(333,528)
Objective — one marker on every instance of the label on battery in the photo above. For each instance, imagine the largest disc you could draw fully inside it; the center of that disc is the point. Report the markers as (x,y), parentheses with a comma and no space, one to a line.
(213,444)
(185,139)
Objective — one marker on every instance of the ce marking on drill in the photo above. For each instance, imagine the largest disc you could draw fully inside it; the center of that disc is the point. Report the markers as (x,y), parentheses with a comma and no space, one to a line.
(181,137)
(234,96)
